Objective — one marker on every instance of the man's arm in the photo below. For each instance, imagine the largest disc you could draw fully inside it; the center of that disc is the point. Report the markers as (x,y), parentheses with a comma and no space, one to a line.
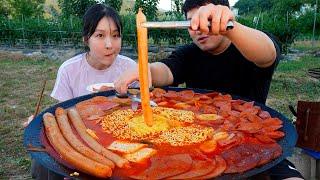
(254,45)
(161,74)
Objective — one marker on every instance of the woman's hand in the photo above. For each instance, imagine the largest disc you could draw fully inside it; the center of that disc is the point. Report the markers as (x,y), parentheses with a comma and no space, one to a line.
(128,77)
(29,119)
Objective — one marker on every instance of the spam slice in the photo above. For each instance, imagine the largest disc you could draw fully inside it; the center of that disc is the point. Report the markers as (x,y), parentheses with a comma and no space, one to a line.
(220,167)
(140,155)
(125,147)
(208,117)
(199,168)
(166,166)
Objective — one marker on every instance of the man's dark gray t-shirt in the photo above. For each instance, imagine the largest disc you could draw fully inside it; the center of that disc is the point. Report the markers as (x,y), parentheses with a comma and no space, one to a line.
(229,72)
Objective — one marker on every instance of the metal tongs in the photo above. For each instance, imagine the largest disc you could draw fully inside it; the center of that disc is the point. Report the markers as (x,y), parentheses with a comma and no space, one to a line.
(134,95)
(135,98)
(176,24)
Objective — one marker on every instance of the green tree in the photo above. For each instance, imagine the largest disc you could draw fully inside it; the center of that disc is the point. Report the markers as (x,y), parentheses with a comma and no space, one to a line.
(283,6)
(149,8)
(306,21)
(177,6)
(5,8)
(287,6)
(116,4)
(253,6)
(28,8)
(75,7)
(282,18)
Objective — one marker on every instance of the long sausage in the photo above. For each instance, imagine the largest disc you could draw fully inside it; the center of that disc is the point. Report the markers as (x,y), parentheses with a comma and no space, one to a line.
(81,129)
(70,155)
(142,34)
(72,139)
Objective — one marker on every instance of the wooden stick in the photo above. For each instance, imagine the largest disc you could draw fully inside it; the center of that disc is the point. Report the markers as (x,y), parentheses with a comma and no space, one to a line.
(142,34)
(36,149)
(40,99)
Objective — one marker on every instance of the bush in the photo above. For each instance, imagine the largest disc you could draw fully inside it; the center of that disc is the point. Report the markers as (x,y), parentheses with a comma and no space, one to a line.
(40,30)
(61,29)
(286,30)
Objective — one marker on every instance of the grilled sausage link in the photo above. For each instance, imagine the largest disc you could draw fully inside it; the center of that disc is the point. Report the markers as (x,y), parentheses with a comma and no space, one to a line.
(72,139)
(81,129)
(70,155)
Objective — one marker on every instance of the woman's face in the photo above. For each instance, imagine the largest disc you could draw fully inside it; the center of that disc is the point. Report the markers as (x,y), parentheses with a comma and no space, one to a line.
(104,44)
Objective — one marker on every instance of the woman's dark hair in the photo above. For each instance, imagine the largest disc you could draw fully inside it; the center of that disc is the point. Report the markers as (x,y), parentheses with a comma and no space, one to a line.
(191,4)
(92,17)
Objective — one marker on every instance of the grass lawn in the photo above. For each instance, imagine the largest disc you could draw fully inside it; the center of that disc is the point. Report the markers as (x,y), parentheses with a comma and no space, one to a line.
(21,81)
(291,83)
(307,45)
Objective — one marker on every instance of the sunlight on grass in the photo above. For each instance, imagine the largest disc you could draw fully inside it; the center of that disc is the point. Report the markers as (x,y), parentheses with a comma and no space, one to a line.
(20,82)
(306,45)
(291,83)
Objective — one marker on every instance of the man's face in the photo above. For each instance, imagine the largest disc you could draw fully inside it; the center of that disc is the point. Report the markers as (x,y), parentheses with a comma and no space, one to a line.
(205,42)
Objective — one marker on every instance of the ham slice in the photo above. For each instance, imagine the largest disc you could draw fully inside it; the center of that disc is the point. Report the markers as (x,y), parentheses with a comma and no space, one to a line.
(220,167)
(166,166)
(248,156)
(199,168)
(125,147)
(140,155)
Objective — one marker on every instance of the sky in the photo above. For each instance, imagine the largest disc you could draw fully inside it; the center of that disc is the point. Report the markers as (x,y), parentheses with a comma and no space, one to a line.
(166,4)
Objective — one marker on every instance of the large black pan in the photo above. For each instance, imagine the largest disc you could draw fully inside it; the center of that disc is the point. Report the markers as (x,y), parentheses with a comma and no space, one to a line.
(32,137)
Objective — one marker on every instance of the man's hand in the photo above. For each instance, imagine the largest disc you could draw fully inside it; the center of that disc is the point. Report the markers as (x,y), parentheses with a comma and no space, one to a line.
(218,15)
(253,44)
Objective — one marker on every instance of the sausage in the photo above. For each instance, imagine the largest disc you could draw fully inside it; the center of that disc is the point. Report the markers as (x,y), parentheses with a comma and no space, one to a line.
(70,155)
(72,139)
(81,129)
(142,34)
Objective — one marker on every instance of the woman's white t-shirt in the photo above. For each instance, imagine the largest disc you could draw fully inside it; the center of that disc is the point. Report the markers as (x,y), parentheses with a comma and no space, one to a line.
(75,74)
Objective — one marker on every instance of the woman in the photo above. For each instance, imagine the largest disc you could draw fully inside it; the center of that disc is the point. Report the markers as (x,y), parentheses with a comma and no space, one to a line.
(101,63)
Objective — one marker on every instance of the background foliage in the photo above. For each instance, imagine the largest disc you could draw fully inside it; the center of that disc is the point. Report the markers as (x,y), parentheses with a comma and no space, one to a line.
(28,8)
(75,7)
(286,19)
(116,4)
(22,21)
(149,8)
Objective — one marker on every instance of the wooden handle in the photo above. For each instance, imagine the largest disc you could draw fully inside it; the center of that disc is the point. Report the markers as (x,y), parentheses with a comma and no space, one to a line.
(142,34)
(37,109)
(305,134)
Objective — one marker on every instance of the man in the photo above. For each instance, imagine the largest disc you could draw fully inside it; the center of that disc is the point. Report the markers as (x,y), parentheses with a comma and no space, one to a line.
(240,61)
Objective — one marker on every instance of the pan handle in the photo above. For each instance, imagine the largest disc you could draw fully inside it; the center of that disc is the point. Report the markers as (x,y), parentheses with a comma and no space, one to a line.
(305,136)
(293,111)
